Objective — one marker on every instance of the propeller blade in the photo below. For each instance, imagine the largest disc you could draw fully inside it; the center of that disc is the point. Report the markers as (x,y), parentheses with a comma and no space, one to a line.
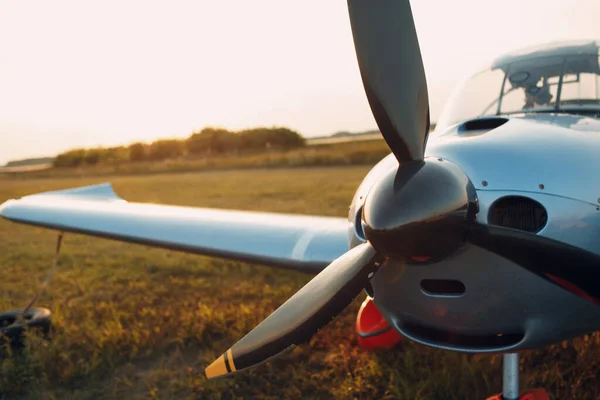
(301,316)
(390,63)
(572,268)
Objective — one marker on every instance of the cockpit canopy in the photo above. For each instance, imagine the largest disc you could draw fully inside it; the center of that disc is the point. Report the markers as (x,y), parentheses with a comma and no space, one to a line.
(563,77)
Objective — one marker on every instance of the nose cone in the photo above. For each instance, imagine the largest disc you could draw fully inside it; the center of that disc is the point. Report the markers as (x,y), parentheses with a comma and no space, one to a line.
(419,210)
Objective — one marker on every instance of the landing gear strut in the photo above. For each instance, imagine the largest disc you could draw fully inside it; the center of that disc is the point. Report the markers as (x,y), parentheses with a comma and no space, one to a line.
(510,382)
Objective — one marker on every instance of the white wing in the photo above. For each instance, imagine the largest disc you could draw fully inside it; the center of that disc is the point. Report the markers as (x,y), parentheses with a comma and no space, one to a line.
(307,243)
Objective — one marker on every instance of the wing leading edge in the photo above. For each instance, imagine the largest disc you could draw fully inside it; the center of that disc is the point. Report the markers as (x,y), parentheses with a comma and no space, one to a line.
(302,242)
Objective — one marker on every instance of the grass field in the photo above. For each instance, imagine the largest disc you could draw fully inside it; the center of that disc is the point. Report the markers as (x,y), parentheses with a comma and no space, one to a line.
(25,168)
(140,323)
(344,153)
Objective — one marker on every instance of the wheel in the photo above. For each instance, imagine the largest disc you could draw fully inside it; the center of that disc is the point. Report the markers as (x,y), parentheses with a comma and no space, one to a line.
(36,318)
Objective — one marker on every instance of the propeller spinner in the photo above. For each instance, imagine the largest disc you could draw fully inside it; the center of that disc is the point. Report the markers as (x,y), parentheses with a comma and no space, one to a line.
(425,209)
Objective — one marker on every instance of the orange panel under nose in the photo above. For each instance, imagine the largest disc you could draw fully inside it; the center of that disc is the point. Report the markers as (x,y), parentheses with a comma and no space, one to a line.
(372,330)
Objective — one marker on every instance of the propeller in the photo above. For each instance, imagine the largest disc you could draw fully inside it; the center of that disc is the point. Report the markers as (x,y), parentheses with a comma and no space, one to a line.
(423,210)
(393,75)
(390,62)
(569,267)
(299,318)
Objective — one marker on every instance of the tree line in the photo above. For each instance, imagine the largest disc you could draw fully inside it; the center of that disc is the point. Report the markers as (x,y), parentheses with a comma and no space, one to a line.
(209,141)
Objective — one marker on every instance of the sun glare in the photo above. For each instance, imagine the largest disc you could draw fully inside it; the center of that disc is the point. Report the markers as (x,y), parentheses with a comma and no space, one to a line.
(90,74)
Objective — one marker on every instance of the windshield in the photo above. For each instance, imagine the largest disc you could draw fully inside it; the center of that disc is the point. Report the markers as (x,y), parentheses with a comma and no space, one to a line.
(542,84)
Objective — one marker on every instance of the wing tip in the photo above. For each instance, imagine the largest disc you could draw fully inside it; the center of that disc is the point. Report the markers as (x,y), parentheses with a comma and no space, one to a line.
(5,208)
(101,191)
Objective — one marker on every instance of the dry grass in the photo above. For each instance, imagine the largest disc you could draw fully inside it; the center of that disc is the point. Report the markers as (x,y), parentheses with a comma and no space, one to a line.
(358,152)
(140,323)
(25,168)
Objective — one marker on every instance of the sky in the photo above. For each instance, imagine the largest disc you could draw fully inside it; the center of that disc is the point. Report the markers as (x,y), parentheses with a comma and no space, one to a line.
(82,73)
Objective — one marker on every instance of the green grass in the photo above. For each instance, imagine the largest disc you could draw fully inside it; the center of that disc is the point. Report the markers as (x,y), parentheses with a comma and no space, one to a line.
(140,323)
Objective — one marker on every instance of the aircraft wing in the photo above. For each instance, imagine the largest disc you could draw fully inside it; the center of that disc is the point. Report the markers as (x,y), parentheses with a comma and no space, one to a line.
(302,242)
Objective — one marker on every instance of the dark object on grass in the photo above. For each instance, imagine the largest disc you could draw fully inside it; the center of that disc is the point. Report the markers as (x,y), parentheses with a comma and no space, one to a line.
(13,326)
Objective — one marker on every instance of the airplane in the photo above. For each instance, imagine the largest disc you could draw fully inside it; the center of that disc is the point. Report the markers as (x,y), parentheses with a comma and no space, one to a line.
(482,236)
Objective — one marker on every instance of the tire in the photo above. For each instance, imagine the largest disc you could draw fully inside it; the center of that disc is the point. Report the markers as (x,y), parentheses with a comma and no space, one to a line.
(36,318)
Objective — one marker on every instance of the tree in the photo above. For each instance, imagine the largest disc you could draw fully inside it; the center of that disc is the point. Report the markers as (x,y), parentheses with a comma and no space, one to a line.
(137,152)
(70,158)
(285,138)
(92,156)
(212,141)
(276,137)
(166,148)
(114,155)
(209,140)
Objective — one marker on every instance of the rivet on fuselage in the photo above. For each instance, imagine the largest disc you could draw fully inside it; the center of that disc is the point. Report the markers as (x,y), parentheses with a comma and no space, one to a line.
(484,183)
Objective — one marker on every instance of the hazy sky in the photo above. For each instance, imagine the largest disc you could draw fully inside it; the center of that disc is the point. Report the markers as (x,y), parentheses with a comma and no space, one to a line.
(83,73)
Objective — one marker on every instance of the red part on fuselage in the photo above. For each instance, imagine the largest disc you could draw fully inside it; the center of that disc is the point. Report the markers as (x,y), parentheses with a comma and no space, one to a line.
(372,330)
(529,394)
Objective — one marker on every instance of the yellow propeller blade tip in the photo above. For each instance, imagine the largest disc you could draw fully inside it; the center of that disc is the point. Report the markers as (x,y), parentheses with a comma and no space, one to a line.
(216,369)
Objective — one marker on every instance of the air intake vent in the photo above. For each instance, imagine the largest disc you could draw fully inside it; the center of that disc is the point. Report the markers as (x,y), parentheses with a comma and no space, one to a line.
(481,124)
(358,226)
(518,212)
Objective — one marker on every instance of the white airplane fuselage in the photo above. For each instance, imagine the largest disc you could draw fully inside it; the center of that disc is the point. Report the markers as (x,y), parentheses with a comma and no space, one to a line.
(548,161)
(553,159)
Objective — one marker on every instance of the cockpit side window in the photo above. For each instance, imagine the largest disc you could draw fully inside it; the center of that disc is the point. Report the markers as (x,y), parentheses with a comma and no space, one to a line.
(532,85)
(581,82)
